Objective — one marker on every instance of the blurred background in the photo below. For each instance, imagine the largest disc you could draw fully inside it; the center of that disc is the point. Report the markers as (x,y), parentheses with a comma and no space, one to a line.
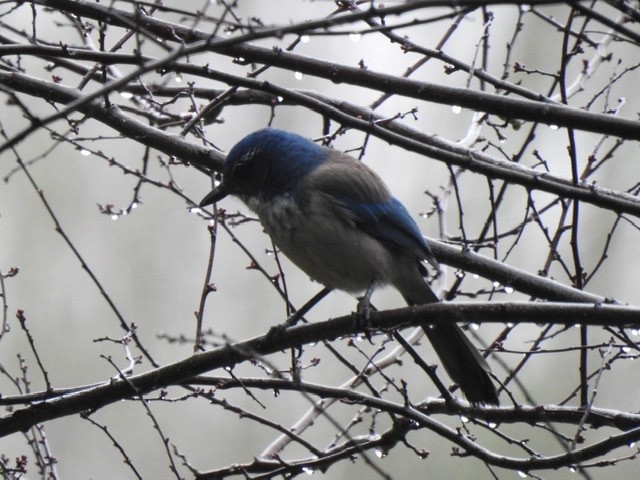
(149,248)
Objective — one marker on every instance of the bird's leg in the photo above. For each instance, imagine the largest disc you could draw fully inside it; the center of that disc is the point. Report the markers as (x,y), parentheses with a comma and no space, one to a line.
(364,302)
(364,308)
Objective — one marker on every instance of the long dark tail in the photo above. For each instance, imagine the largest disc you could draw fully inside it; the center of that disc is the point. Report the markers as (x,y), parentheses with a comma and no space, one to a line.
(460,358)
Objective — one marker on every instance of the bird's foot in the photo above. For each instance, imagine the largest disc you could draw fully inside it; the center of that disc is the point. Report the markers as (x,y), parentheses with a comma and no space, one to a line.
(277,331)
(363,315)
(363,310)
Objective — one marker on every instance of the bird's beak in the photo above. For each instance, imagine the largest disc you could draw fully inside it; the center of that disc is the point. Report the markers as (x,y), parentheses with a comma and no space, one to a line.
(215,195)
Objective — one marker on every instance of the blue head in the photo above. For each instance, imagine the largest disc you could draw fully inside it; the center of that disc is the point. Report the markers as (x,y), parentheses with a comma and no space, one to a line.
(266,163)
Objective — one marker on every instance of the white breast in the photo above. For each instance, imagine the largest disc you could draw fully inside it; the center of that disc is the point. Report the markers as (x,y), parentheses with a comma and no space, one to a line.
(325,245)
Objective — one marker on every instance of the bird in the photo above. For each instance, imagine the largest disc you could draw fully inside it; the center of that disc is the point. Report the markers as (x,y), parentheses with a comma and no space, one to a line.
(336,219)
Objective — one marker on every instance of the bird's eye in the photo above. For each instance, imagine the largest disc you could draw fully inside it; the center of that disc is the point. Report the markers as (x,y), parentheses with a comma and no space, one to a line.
(241,171)
(248,169)
(243,165)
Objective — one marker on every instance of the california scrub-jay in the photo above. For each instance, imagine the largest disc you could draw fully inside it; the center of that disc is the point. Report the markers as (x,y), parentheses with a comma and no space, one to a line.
(336,220)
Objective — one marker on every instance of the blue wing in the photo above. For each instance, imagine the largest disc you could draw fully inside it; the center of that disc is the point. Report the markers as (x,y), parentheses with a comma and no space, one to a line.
(363,198)
(391,223)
